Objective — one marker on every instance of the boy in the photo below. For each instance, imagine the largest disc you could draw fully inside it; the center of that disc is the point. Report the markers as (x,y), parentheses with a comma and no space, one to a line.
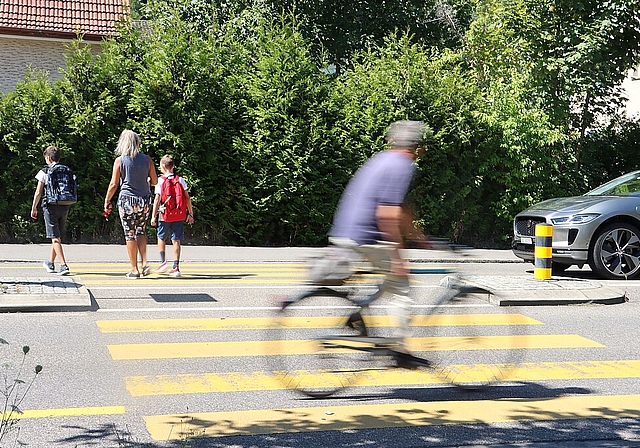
(55,216)
(166,224)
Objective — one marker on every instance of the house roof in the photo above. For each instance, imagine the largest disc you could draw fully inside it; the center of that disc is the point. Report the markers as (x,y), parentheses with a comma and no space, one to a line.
(93,19)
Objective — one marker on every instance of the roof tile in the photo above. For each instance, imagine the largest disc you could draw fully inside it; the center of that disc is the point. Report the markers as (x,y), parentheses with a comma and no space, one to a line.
(53,18)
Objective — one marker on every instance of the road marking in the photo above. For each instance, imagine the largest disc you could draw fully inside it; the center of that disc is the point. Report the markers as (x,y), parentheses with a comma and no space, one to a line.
(177,350)
(252,381)
(70,412)
(213,280)
(117,267)
(213,286)
(264,323)
(269,308)
(396,415)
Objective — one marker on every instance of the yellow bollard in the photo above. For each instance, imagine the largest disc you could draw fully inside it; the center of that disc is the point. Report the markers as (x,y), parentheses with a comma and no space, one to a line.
(543,251)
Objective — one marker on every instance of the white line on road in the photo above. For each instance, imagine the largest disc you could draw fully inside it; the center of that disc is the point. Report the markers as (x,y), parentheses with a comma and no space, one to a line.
(200,288)
(269,308)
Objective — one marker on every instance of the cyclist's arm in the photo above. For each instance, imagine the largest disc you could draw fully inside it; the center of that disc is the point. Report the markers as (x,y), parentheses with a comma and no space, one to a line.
(413,236)
(390,220)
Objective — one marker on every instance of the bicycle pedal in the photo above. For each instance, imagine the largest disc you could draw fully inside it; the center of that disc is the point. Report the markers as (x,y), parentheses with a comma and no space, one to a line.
(355,322)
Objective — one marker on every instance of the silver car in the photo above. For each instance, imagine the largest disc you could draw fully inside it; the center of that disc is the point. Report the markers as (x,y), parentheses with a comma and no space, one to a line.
(600,228)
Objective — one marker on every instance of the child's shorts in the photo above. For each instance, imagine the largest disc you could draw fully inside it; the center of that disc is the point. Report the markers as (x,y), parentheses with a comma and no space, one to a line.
(55,219)
(176,229)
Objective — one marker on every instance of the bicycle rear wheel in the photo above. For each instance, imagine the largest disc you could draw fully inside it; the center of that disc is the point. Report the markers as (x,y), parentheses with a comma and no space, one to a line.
(470,343)
(306,337)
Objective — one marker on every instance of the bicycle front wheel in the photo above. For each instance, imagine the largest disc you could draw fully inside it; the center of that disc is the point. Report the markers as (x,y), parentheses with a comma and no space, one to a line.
(469,342)
(311,342)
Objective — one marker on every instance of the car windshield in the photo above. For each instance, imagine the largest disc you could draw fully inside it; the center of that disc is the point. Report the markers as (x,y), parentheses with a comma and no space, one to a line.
(626,185)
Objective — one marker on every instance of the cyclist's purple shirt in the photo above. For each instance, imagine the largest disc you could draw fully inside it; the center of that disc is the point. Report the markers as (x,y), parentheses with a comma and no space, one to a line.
(383,180)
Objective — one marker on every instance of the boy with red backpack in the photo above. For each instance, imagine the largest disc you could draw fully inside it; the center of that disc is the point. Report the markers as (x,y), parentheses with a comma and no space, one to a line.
(173,203)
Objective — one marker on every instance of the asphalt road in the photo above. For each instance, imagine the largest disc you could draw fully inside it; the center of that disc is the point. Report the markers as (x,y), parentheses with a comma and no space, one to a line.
(163,356)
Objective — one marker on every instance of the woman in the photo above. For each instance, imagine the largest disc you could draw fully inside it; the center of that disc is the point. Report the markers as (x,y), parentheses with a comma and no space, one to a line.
(135,173)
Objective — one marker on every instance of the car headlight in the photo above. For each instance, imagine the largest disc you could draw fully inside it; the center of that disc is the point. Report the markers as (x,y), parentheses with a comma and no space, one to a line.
(575,219)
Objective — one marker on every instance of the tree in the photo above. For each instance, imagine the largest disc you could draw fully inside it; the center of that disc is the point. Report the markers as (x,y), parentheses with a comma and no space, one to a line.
(576,53)
(343,28)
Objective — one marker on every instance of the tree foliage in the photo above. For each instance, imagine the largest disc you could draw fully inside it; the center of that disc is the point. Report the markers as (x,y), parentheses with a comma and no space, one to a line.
(267,137)
(574,53)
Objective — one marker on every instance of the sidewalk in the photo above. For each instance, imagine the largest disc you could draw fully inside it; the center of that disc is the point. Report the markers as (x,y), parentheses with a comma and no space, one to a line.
(98,253)
(50,293)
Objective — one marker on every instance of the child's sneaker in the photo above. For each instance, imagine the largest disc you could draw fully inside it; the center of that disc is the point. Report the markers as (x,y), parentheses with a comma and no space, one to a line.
(163,267)
(175,272)
(64,270)
(49,267)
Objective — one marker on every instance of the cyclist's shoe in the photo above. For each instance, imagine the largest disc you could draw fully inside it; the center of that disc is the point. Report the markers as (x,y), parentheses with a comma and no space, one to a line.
(355,322)
(408,361)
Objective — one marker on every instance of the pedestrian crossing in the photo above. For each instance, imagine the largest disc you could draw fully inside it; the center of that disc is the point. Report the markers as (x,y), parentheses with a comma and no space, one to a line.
(108,275)
(182,384)
(95,275)
(215,344)
(373,416)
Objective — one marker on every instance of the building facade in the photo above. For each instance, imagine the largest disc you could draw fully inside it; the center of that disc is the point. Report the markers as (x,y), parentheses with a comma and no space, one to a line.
(632,88)
(34,33)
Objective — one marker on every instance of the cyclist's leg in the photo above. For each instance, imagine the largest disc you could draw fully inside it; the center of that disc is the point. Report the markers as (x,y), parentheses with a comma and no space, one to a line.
(379,255)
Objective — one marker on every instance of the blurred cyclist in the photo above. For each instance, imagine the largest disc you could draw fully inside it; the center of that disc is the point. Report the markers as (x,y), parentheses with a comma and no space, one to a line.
(371,218)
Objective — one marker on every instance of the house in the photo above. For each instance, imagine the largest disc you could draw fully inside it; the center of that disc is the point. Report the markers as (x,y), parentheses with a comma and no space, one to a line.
(631,86)
(33,33)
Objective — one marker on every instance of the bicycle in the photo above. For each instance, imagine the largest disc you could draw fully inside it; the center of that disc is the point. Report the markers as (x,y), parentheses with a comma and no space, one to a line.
(342,336)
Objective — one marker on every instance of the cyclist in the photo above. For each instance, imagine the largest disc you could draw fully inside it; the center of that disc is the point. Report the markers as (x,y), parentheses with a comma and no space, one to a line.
(370,217)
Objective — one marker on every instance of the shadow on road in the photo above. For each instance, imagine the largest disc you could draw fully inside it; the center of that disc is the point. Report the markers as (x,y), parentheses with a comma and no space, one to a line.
(422,429)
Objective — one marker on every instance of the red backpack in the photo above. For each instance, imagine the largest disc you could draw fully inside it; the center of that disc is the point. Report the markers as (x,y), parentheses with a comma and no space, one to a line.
(172,199)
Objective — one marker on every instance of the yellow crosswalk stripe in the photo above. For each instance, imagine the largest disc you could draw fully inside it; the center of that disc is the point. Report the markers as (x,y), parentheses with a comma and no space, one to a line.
(117,267)
(192,280)
(265,323)
(252,381)
(302,347)
(340,418)
(70,412)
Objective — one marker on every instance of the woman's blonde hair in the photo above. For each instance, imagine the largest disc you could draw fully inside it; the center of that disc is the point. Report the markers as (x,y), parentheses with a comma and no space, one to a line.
(128,144)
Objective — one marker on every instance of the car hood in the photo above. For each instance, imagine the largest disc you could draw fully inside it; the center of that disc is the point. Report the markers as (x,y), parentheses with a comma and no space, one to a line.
(572,204)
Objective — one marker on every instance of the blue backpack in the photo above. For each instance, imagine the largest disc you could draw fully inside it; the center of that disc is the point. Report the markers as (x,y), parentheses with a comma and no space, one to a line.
(61,187)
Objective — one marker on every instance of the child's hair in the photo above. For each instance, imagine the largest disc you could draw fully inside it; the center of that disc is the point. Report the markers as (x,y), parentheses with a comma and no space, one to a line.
(167,162)
(52,152)
(128,144)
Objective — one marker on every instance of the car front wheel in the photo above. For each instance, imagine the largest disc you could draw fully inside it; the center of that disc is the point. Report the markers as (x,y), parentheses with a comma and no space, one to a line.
(616,252)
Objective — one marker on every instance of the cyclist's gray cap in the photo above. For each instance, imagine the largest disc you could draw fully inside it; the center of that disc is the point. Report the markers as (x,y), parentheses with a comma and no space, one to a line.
(406,134)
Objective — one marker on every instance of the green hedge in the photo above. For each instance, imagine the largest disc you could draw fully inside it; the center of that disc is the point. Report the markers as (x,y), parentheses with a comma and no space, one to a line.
(267,137)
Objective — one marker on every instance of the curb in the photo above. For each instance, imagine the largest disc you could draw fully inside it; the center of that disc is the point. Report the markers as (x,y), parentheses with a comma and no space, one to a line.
(526,291)
(600,296)
(43,294)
